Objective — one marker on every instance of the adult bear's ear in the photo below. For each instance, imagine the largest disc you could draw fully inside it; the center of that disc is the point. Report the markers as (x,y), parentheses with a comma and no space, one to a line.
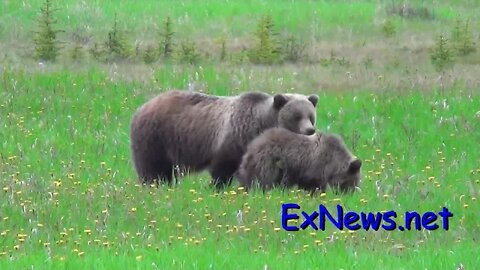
(354,166)
(313,99)
(279,101)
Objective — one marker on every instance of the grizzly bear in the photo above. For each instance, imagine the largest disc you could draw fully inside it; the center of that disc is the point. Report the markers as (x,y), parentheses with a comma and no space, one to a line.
(279,157)
(196,131)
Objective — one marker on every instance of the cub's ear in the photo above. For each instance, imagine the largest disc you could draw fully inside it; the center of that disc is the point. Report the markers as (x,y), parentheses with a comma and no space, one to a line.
(279,101)
(354,166)
(313,99)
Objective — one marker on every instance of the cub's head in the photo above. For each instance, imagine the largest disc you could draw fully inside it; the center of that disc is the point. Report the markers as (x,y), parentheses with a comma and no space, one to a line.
(296,112)
(348,178)
(342,169)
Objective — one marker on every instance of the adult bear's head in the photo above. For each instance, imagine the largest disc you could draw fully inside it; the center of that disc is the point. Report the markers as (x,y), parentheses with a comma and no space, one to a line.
(296,112)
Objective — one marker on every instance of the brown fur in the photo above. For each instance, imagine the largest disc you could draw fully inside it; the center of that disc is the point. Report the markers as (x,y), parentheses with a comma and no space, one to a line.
(197,131)
(279,157)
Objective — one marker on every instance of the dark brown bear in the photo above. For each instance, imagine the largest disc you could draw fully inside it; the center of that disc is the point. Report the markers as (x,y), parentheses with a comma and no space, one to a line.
(282,158)
(197,131)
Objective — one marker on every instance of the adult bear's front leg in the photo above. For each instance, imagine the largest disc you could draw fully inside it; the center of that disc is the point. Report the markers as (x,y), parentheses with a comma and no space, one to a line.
(223,168)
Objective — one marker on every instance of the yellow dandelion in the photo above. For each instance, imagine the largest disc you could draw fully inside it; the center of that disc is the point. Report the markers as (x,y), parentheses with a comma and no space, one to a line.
(5,189)
(133,210)
(81,253)
(87,231)
(179,225)
(465,206)
(276,229)
(16,247)
(138,258)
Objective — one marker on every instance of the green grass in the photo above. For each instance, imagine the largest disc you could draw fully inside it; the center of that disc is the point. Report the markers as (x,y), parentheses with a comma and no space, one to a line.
(69,197)
(68,181)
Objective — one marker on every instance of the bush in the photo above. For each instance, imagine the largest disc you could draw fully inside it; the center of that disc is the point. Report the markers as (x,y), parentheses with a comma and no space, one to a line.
(188,52)
(150,55)
(267,49)
(116,45)
(166,39)
(46,43)
(442,56)
(388,29)
(293,49)
(462,38)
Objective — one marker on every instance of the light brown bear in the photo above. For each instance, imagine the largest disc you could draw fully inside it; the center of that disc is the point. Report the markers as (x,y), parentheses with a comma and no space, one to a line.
(282,158)
(196,131)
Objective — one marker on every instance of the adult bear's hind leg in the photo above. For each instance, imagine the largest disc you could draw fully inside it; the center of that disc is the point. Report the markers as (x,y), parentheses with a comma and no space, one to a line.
(153,167)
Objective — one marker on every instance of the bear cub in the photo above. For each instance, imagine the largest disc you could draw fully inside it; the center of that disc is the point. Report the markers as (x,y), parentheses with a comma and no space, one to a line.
(279,157)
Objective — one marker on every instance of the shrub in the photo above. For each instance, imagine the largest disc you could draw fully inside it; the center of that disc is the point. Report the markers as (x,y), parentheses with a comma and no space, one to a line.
(116,44)
(388,29)
(46,43)
(166,39)
(150,55)
(267,49)
(188,52)
(77,53)
(223,48)
(462,38)
(442,56)
(293,49)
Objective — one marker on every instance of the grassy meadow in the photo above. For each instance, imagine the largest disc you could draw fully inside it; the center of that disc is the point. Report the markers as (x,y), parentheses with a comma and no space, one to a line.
(69,197)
